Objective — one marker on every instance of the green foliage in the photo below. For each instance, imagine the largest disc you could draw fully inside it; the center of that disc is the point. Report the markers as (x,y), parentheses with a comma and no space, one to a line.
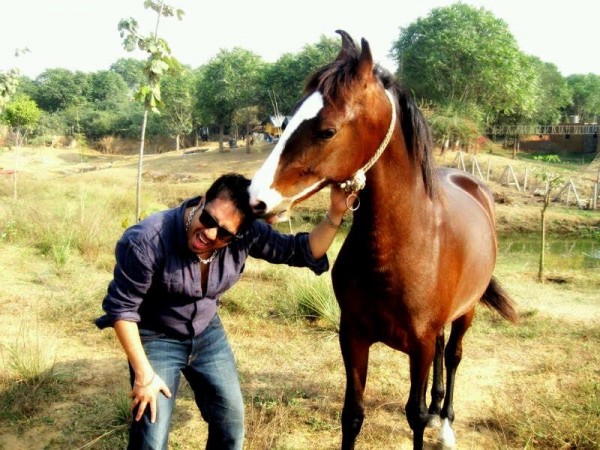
(452,128)
(227,83)
(586,96)
(282,83)
(177,95)
(8,85)
(8,231)
(464,55)
(159,62)
(21,113)
(547,158)
(131,70)
(59,89)
(106,90)
(553,93)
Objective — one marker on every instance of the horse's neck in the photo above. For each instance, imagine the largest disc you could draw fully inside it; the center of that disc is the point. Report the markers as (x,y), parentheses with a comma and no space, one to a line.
(395,196)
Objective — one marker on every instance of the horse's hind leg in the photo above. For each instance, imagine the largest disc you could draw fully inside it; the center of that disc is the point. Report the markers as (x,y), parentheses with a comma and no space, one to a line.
(356,360)
(437,387)
(453,357)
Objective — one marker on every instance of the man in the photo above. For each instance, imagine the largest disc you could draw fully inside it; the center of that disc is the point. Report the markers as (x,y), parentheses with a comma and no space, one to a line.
(171,269)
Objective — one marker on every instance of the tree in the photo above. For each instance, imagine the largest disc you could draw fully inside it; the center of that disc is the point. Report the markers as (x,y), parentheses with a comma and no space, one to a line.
(464,55)
(9,81)
(59,89)
(21,114)
(282,83)
(227,83)
(551,179)
(106,90)
(553,93)
(586,96)
(132,72)
(159,63)
(177,97)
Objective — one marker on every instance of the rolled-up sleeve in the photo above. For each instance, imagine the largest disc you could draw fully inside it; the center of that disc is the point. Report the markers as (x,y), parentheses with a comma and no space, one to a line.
(132,278)
(278,248)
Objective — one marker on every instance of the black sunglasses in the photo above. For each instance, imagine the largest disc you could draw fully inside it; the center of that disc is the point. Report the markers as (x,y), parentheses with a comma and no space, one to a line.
(209,221)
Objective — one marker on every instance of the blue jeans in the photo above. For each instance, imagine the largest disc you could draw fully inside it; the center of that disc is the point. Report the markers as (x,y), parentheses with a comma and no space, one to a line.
(208,365)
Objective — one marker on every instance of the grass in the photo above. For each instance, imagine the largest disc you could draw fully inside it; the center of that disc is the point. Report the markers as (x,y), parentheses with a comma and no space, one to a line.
(31,380)
(64,383)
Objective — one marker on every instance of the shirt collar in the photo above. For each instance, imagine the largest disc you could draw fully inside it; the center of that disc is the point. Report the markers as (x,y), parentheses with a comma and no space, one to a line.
(180,232)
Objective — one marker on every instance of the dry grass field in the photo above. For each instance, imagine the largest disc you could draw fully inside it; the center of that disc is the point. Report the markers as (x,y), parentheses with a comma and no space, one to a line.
(63,383)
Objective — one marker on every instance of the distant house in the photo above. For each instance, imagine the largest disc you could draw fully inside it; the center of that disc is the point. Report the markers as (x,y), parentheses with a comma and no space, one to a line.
(273,124)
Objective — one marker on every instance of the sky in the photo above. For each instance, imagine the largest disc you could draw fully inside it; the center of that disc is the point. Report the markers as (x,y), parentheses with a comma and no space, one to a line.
(82,34)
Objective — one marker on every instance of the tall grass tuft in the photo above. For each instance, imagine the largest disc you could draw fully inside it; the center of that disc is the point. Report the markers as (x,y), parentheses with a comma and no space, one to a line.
(316,301)
(31,379)
(30,359)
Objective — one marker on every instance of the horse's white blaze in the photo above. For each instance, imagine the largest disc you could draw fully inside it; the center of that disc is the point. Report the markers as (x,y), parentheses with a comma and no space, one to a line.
(260,188)
(446,437)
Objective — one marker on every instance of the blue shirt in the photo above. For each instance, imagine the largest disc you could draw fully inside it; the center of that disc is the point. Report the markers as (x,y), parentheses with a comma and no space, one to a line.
(156,280)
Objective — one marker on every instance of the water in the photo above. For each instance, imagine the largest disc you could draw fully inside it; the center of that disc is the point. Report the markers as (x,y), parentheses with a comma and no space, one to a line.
(567,252)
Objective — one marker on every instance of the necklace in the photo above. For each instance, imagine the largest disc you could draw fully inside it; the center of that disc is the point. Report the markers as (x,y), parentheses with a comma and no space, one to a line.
(187,226)
(209,260)
(190,217)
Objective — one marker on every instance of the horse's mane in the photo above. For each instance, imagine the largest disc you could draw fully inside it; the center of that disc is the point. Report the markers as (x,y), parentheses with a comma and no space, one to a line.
(336,81)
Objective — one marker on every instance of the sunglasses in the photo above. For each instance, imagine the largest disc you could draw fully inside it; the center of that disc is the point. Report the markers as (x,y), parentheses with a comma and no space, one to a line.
(209,222)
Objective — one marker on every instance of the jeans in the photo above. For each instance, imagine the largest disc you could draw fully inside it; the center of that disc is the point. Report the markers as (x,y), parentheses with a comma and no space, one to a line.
(208,365)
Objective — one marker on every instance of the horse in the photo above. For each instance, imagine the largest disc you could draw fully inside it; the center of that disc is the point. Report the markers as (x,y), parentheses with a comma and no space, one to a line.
(421,250)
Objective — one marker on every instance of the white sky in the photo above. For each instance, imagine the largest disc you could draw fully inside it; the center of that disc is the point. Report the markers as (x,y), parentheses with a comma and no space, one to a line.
(82,34)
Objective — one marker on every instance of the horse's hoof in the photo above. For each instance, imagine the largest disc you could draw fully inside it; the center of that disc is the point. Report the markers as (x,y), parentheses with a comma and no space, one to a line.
(446,436)
(433,421)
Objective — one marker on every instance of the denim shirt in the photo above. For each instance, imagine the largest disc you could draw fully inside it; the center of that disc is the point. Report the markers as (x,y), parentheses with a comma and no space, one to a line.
(156,280)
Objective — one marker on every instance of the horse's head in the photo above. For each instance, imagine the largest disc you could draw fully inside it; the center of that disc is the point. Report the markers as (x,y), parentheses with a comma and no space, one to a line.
(334,131)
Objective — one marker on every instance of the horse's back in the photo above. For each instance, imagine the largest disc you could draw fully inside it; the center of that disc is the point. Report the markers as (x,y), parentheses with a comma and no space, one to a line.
(455,180)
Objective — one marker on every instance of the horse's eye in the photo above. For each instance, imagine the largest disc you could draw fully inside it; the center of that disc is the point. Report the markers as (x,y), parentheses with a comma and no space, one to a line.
(327,133)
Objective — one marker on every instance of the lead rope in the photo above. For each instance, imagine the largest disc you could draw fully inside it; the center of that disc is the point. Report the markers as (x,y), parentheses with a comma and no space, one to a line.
(359,179)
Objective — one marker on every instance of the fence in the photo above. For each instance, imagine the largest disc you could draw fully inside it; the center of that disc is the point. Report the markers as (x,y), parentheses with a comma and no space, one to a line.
(509,177)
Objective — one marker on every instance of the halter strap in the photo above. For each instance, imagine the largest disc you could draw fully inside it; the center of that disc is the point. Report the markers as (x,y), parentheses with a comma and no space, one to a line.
(359,179)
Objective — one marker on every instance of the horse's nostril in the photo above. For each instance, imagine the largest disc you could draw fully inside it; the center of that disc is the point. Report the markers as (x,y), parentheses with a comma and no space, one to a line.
(259,208)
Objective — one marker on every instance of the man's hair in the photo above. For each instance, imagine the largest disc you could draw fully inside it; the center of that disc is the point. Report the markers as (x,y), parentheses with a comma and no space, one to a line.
(233,187)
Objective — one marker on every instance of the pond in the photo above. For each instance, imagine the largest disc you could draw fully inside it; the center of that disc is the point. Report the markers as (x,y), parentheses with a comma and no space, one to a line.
(561,252)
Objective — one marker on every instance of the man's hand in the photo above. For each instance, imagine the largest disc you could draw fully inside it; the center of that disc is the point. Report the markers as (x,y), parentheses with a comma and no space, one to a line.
(146,395)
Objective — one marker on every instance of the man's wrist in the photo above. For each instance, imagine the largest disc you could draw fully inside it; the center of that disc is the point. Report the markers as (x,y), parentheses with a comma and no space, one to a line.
(146,382)
(332,222)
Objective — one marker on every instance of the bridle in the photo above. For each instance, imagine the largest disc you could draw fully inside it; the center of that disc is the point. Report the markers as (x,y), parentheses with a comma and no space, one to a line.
(359,179)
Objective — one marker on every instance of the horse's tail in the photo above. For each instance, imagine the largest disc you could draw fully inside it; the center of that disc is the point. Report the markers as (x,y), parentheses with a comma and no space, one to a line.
(497,298)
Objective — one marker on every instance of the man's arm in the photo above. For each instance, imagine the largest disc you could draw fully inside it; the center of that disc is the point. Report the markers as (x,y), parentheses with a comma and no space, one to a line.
(321,237)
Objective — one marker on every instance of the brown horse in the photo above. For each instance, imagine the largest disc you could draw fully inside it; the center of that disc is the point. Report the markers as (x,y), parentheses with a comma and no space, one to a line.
(422,246)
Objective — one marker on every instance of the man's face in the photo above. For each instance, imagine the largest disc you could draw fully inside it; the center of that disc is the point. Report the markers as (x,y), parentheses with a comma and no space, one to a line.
(214,226)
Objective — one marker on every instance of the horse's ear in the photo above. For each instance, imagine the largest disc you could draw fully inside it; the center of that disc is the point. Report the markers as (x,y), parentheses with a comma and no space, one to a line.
(348,49)
(365,62)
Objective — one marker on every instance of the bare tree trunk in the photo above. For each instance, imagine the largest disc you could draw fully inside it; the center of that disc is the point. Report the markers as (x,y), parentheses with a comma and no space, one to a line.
(543,237)
(138,195)
(17,136)
(221,131)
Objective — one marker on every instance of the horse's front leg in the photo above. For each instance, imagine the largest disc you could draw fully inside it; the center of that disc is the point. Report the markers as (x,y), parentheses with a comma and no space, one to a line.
(416,406)
(355,353)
